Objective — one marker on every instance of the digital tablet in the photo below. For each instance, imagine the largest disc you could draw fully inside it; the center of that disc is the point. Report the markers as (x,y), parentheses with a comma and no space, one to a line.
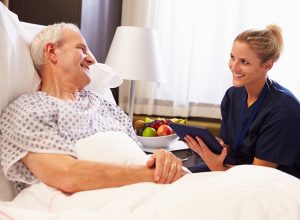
(182,130)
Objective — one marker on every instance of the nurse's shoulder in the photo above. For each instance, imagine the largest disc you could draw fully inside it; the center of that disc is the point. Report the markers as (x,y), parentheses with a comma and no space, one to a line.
(284,100)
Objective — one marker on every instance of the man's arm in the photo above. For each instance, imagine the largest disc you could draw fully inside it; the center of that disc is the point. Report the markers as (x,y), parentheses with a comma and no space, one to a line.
(72,175)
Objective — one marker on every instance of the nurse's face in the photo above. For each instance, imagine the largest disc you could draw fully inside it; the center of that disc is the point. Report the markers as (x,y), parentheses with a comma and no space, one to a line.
(246,67)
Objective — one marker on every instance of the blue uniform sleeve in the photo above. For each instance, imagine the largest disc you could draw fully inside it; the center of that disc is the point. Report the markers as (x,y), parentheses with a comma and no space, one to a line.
(224,110)
(278,139)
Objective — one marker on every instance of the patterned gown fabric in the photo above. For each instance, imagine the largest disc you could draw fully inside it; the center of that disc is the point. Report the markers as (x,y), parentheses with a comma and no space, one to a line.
(38,122)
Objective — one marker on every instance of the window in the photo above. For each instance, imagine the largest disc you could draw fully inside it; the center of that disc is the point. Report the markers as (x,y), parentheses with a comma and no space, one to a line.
(196,39)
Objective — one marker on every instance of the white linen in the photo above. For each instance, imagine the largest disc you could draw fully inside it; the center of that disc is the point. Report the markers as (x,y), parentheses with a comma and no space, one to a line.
(103,77)
(15,60)
(110,146)
(243,192)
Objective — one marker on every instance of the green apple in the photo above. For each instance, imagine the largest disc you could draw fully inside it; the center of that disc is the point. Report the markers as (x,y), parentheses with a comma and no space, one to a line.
(149,132)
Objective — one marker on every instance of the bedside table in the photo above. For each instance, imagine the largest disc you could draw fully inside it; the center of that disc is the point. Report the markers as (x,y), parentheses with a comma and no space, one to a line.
(180,150)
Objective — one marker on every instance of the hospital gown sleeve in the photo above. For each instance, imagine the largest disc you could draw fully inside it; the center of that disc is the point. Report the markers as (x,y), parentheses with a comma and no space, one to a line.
(24,128)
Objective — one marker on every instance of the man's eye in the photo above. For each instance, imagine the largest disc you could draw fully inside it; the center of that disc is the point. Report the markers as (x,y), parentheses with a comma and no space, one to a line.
(82,49)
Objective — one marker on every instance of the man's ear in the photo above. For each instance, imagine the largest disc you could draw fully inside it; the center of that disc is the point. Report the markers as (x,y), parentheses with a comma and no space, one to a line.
(268,65)
(50,52)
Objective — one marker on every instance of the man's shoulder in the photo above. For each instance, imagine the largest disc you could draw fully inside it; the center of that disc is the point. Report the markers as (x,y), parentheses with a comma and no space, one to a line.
(28,98)
(26,102)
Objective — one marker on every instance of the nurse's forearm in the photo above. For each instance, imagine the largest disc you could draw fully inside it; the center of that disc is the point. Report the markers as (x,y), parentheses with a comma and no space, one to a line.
(265,163)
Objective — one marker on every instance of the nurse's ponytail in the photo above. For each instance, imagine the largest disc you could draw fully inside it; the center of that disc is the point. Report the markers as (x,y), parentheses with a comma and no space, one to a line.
(267,43)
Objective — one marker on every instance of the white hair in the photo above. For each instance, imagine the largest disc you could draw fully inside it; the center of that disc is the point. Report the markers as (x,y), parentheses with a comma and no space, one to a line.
(51,34)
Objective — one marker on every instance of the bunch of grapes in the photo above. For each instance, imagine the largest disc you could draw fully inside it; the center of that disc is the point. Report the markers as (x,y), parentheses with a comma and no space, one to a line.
(157,123)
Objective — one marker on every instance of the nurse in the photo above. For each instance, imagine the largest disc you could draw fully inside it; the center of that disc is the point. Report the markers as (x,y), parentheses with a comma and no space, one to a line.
(260,118)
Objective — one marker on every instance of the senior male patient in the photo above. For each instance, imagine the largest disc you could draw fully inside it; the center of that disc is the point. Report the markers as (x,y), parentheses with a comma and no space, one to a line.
(40,129)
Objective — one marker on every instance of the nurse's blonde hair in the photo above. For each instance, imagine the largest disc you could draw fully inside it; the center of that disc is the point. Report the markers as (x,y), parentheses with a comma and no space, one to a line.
(267,43)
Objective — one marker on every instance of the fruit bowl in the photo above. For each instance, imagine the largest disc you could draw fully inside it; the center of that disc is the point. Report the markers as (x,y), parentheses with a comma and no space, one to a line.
(158,141)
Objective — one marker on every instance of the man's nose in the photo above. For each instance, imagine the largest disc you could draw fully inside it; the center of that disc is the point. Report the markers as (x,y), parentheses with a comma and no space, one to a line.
(90,58)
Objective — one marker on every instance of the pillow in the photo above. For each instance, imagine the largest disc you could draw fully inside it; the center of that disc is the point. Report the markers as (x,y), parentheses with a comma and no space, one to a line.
(103,77)
(112,147)
(15,60)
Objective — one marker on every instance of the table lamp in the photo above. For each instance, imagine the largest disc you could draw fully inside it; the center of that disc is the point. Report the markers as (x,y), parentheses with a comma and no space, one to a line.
(135,53)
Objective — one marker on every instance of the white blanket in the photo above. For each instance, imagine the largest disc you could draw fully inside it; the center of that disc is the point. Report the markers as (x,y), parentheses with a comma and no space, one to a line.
(243,192)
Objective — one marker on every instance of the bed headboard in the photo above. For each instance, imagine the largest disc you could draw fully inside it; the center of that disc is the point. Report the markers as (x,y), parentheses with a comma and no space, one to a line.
(18,75)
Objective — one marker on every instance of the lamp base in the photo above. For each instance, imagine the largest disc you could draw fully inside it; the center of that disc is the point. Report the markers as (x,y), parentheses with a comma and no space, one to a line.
(131,99)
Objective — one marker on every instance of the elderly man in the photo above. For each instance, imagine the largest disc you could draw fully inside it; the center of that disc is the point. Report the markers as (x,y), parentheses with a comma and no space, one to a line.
(39,130)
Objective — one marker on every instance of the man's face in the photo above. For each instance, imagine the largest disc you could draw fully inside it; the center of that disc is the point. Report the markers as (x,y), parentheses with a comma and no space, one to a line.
(74,58)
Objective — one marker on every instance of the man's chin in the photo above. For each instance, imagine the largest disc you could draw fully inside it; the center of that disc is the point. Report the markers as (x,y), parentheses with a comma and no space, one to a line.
(84,83)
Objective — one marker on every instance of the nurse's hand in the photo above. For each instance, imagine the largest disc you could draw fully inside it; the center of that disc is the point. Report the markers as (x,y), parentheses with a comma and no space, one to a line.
(222,143)
(212,160)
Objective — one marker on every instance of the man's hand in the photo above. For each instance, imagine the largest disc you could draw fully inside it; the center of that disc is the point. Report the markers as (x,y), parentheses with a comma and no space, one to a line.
(212,160)
(168,168)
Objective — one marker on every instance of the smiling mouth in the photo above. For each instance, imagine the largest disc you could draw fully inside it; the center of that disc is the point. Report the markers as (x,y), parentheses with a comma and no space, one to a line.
(238,75)
(85,67)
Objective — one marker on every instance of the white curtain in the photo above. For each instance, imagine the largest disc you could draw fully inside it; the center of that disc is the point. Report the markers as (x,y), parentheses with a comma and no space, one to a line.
(196,38)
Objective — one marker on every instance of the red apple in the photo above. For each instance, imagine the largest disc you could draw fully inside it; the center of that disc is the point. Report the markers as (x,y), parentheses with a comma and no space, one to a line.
(164,130)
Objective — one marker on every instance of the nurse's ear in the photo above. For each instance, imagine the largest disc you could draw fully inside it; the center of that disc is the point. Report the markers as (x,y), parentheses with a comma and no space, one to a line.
(268,65)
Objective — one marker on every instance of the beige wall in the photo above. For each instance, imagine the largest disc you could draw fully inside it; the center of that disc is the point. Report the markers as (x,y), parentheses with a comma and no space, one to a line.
(6,2)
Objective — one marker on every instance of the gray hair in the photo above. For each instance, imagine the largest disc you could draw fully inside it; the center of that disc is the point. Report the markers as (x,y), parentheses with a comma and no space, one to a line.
(51,34)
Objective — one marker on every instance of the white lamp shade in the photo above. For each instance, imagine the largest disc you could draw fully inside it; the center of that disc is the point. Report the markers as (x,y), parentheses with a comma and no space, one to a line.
(135,53)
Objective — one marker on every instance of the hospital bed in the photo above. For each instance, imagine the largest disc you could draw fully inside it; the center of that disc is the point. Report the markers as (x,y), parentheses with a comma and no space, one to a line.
(243,192)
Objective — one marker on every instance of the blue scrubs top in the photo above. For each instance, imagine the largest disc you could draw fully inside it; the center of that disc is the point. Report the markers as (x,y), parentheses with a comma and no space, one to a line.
(273,135)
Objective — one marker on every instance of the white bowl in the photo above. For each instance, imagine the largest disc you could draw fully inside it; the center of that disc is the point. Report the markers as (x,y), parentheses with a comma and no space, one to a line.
(158,141)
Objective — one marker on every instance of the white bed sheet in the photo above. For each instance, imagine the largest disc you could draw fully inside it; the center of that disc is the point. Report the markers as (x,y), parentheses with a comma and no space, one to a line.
(243,192)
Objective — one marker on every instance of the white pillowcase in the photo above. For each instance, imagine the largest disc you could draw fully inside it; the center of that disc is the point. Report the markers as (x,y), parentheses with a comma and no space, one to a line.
(111,147)
(103,77)
(17,73)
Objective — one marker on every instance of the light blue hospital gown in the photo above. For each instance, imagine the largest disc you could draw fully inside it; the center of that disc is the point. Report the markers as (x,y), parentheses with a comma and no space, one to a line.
(38,122)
